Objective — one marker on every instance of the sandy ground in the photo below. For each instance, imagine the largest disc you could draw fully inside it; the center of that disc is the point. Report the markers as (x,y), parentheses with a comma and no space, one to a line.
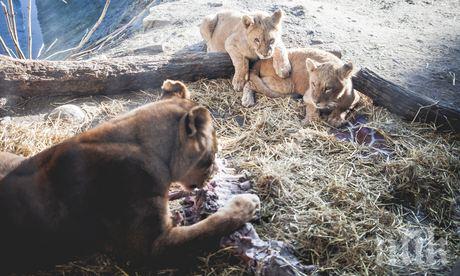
(414,43)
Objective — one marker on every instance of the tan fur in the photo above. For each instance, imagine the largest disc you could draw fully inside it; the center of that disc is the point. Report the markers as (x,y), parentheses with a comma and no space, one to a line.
(246,37)
(9,162)
(320,77)
(108,188)
(173,88)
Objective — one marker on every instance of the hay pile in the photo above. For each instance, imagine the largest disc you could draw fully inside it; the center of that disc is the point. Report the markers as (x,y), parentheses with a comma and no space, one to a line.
(345,209)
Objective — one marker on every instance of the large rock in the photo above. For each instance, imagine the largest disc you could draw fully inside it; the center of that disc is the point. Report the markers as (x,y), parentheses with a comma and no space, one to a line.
(69,113)
(155,20)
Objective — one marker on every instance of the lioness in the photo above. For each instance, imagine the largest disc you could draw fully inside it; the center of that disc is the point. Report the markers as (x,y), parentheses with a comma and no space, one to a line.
(246,37)
(107,189)
(320,77)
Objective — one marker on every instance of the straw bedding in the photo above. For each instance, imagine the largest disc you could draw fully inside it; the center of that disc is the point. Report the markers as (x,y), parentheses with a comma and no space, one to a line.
(344,207)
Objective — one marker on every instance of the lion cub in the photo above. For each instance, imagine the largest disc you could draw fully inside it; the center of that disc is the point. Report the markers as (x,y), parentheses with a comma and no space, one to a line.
(320,77)
(246,37)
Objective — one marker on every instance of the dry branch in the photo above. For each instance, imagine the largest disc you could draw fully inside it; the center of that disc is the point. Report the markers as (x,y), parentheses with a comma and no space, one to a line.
(5,48)
(120,75)
(29,28)
(85,37)
(11,26)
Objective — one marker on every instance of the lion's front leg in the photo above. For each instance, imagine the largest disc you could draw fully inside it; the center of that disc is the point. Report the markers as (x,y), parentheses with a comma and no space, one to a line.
(241,65)
(312,113)
(206,234)
(281,62)
(249,96)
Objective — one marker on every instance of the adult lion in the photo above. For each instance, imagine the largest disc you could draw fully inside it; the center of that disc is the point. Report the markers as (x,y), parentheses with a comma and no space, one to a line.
(107,189)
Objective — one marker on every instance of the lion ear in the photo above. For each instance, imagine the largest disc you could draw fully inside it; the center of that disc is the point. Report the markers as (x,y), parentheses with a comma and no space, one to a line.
(247,21)
(173,88)
(311,65)
(277,17)
(196,122)
(346,70)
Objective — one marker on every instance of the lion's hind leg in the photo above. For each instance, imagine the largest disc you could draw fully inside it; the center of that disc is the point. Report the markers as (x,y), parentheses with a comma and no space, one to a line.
(207,27)
(273,87)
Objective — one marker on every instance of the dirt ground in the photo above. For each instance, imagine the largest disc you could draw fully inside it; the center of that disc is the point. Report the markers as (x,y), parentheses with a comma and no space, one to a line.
(413,43)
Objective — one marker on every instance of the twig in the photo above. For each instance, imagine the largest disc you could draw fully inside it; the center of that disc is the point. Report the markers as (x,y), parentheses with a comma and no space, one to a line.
(421,108)
(101,42)
(40,51)
(86,37)
(2,42)
(9,23)
(29,22)
(13,19)
(51,45)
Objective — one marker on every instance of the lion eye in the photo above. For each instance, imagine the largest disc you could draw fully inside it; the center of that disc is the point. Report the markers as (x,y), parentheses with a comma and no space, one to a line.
(272,41)
(328,89)
(256,40)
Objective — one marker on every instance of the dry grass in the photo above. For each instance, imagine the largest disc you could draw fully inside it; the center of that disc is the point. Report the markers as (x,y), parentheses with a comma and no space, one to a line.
(344,209)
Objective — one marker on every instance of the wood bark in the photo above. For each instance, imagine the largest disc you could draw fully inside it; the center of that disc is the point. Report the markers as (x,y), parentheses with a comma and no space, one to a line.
(28,78)
(408,104)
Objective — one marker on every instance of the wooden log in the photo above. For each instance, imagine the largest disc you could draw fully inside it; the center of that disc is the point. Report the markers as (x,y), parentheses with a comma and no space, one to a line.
(26,78)
(408,104)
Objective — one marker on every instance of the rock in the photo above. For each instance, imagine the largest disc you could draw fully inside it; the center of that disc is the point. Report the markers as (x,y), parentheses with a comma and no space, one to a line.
(68,112)
(150,49)
(154,21)
(214,5)
(316,42)
(146,50)
(298,10)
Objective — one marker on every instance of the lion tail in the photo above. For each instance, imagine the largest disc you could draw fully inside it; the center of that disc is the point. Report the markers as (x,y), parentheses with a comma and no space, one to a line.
(172,88)
(208,26)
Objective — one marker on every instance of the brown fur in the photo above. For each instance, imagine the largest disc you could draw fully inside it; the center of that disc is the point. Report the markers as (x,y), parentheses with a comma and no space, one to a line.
(246,37)
(320,77)
(107,188)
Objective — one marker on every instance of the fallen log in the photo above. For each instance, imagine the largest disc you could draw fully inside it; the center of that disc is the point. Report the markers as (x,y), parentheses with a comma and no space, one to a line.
(406,103)
(28,78)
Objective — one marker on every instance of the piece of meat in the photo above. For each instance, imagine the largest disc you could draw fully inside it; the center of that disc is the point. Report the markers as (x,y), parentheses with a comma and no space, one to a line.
(262,257)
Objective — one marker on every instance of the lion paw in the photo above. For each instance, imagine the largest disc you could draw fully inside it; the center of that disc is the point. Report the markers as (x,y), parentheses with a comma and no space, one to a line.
(336,122)
(238,83)
(283,71)
(309,120)
(242,208)
(248,98)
